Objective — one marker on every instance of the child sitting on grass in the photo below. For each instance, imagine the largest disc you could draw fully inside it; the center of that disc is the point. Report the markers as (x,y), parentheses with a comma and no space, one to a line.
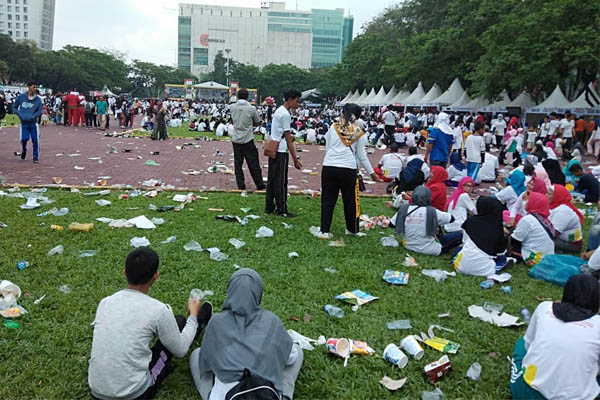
(122,364)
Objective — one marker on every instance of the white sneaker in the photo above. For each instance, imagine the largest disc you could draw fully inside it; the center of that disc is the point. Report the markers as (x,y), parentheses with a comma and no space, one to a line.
(357,234)
(316,232)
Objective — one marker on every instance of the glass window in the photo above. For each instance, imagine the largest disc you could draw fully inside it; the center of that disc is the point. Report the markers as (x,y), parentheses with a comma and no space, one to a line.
(9,17)
(16,1)
(200,56)
(9,33)
(24,1)
(18,33)
(25,25)
(25,34)
(24,17)
(9,25)
(17,17)
(18,25)
(17,9)
(8,8)
(24,9)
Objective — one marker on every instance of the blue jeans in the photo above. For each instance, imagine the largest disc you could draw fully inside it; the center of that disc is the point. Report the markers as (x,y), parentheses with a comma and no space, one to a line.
(450,240)
(378,133)
(30,130)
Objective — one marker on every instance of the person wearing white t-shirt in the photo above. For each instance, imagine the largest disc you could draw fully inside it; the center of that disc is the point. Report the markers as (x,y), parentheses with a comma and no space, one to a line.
(531,137)
(419,222)
(566,219)
(400,139)
(410,139)
(458,136)
(276,197)
(475,149)
(567,125)
(488,138)
(221,130)
(488,172)
(558,358)
(534,233)
(460,205)
(389,120)
(311,135)
(390,164)
(545,128)
(498,128)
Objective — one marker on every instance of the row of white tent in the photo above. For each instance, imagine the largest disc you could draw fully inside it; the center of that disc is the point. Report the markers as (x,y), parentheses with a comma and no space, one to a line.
(455,98)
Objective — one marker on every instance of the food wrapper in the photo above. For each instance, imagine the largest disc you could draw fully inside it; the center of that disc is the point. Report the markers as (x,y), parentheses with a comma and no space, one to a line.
(357,297)
(443,345)
(437,369)
(396,277)
(75,226)
(13,312)
(358,347)
(410,261)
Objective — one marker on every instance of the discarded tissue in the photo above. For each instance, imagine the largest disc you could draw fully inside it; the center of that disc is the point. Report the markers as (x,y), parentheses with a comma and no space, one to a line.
(264,232)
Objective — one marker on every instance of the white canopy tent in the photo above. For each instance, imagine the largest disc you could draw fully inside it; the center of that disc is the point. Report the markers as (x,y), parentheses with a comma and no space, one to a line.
(106,91)
(210,85)
(416,95)
(587,103)
(523,100)
(477,103)
(498,106)
(361,97)
(399,98)
(345,99)
(370,97)
(353,98)
(390,96)
(555,102)
(378,99)
(460,103)
(450,96)
(431,95)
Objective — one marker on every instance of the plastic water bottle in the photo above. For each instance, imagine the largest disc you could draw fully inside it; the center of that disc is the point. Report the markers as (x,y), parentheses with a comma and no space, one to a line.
(525,314)
(334,311)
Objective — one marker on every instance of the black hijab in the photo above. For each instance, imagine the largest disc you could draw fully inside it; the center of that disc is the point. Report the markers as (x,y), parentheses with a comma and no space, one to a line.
(485,228)
(555,174)
(580,301)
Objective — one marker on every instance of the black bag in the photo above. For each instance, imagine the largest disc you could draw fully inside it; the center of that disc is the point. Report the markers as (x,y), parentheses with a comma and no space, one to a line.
(252,387)
(361,183)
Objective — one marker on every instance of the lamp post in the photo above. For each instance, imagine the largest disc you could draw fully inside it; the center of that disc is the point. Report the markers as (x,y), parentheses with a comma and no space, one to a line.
(227,71)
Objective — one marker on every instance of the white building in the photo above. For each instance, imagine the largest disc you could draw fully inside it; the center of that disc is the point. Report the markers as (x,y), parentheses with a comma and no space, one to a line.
(28,19)
(256,36)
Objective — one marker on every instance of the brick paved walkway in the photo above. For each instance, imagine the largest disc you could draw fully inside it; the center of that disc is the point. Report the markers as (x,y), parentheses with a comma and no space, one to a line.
(62,149)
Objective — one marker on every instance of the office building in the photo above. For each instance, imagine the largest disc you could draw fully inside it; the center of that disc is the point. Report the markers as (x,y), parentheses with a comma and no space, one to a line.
(260,36)
(28,19)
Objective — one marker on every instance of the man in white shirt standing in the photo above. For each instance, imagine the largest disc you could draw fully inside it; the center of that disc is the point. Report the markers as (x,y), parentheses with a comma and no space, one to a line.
(498,128)
(389,118)
(567,125)
(244,117)
(281,131)
(475,147)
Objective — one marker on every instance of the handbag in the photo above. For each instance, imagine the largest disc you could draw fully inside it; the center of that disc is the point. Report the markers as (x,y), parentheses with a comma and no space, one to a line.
(252,387)
(271,147)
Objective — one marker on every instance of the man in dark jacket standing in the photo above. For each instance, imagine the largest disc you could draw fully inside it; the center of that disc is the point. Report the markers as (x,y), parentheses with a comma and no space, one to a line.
(28,108)
(244,117)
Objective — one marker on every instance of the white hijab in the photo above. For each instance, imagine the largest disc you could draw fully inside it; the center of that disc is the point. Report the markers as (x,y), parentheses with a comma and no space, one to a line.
(443,123)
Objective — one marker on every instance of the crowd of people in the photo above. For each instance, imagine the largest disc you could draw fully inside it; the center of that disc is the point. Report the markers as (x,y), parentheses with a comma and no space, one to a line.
(525,212)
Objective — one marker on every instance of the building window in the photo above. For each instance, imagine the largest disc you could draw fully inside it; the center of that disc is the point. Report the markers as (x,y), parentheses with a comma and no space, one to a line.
(18,34)
(24,17)
(9,16)
(17,17)
(9,25)
(24,9)
(200,56)
(26,26)
(18,25)
(17,9)
(25,34)
(9,33)
(8,8)
(25,2)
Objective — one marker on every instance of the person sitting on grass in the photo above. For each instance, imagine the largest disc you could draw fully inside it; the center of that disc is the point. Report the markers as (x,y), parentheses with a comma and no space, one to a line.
(566,219)
(411,176)
(457,170)
(390,164)
(437,187)
(245,337)
(419,224)
(484,243)
(122,364)
(534,236)
(558,357)
(460,204)
(588,184)
(516,186)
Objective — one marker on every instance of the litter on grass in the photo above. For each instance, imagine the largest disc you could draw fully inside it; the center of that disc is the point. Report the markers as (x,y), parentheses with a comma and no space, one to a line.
(157,221)
(77,227)
(474,371)
(502,320)
(389,241)
(504,277)
(64,289)
(436,394)
(331,270)
(56,250)
(410,261)
(141,222)
(438,274)
(293,254)
(139,242)
(192,245)
(396,277)
(392,384)
(437,369)
(336,243)
(217,255)
(264,232)
(102,202)
(356,297)
(200,294)
(237,243)
(399,324)
(169,240)
(87,253)
(304,342)
(32,203)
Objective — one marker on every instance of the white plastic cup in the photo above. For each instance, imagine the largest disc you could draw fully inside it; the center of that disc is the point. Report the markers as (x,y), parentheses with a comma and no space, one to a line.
(393,354)
(340,347)
(412,346)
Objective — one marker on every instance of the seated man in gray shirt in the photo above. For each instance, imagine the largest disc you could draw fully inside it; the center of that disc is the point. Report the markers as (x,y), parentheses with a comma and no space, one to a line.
(122,364)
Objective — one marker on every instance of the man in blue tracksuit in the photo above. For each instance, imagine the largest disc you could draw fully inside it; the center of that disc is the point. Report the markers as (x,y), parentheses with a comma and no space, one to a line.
(28,107)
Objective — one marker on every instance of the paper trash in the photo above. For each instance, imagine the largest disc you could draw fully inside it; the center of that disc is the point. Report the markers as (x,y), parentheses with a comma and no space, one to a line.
(502,320)
(237,243)
(396,277)
(504,277)
(303,341)
(142,222)
(357,297)
(263,232)
(391,384)
(31,204)
(102,202)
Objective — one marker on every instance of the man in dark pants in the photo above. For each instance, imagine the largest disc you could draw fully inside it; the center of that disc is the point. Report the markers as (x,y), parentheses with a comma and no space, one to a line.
(244,117)
(276,198)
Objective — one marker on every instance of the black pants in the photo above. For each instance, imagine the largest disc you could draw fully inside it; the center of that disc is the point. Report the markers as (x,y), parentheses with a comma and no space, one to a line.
(88,120)
(277,181)
(334,179)
(499,140)
(249,152)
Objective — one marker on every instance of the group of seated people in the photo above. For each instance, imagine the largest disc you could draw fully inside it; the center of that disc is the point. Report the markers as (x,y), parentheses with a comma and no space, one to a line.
(531,217)
(243,347)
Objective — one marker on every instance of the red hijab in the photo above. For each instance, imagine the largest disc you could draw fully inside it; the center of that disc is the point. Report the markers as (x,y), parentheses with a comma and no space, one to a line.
(562,196)
(437,187)
(539,185)
(454,196)
(538,204)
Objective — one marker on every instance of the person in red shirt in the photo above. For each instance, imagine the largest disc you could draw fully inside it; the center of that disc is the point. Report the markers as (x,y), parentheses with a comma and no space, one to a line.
(81,110)
(72,102)
(580,126)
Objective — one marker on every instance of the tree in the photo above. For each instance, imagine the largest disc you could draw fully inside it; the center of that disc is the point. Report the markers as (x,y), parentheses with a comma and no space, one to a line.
(219,73)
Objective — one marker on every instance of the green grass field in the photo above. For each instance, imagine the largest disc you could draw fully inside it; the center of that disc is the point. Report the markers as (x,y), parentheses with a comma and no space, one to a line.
(47,357)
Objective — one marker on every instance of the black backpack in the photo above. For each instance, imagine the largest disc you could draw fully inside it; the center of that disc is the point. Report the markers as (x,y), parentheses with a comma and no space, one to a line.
(252,387)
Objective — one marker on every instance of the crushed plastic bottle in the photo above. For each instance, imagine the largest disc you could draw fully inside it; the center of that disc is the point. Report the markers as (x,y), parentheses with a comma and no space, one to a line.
(56,250)
(87,253)
(237,243)
(436,394)
(200,294)
(264,232)
(506,289)
(474,371)
(61,212)
(389,241)
(525,314)
(334,311)
(399,324)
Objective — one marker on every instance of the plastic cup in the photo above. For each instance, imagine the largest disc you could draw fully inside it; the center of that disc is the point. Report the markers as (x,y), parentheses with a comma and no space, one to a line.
(197,294)
(393,354)
(412,346)
(340,347)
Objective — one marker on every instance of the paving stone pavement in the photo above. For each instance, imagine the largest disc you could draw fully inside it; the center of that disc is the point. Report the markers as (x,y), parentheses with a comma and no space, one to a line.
(81,157)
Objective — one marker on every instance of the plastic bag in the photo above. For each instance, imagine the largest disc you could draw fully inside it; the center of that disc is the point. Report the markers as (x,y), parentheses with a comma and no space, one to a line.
(474,371)
(87,253)
(399,324)
(169,240)
(56,250)
(237,243)
(437,274)
(140,242)
(264,232)
(218,256)
(557,268)
(103,202)
(192,245)
(389,241)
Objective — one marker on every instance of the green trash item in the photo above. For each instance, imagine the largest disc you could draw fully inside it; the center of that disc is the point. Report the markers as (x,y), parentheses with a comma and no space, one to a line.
(151,163)
(11,324)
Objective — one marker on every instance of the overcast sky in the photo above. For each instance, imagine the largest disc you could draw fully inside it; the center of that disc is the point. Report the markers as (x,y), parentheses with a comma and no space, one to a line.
(147,29)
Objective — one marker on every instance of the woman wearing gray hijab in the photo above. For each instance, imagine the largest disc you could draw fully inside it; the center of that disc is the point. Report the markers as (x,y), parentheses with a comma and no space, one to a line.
(419,223)
(245,336)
